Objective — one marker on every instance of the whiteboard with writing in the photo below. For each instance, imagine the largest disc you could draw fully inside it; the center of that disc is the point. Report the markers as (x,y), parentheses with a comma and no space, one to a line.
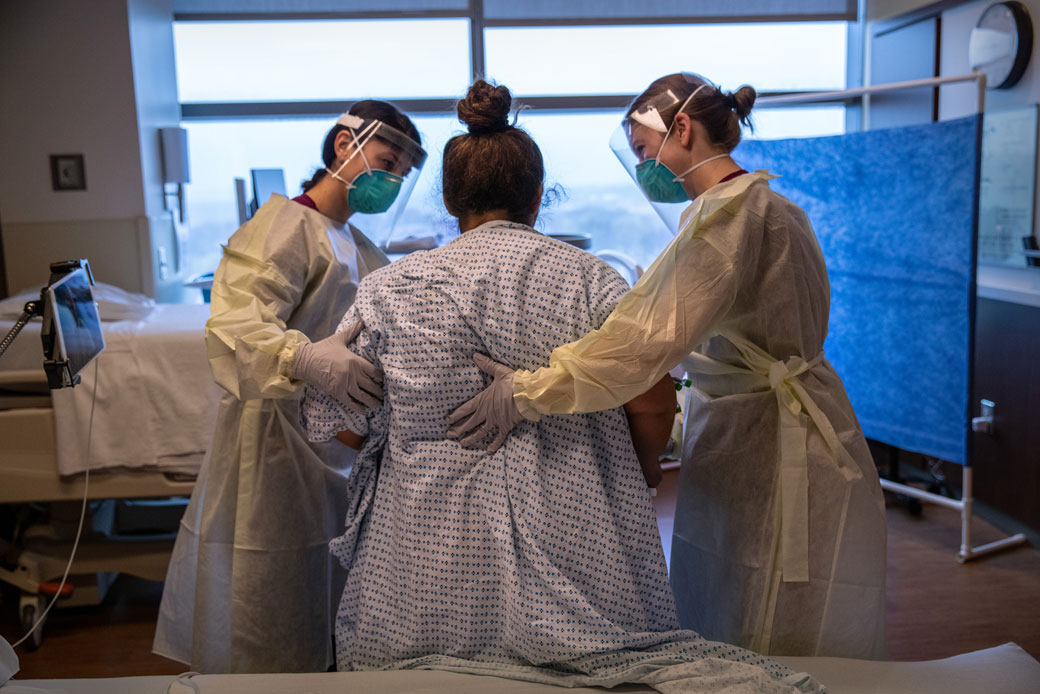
(1008,184)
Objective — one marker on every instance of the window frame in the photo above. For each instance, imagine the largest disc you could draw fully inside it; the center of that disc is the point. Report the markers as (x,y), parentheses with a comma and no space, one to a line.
(196,112)
(477,24)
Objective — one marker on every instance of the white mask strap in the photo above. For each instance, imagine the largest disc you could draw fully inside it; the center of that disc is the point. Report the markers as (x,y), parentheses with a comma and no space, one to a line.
(679,177)
(657,159)
(360,139)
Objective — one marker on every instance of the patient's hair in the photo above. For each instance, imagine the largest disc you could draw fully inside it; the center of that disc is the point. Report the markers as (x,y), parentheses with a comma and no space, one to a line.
(368,109)
(496,165)
(721,113)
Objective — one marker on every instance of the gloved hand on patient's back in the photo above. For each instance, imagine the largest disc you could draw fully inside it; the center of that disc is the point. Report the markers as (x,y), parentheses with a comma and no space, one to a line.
(330,365)
(492,413)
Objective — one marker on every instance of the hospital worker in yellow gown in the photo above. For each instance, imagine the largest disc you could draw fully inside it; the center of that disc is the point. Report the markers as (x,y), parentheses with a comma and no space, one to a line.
(779,534)
(250,586)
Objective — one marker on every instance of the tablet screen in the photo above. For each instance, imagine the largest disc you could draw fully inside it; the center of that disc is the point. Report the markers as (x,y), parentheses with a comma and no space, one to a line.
(76,321)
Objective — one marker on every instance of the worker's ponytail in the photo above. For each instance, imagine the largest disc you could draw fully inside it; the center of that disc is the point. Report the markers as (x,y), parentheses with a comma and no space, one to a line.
(743,100)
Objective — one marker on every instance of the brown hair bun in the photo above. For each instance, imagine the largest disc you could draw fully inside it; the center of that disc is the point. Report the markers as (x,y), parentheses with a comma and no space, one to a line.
(743,101)
(485,108)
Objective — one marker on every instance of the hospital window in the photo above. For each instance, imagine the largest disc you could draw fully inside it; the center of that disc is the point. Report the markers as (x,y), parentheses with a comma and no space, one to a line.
(263,93)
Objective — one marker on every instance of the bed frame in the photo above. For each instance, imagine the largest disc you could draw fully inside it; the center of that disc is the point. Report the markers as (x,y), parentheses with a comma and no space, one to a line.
(29,474)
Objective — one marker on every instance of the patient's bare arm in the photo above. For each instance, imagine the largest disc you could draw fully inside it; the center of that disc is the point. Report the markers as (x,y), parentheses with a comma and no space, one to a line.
(650,418)
(349,438)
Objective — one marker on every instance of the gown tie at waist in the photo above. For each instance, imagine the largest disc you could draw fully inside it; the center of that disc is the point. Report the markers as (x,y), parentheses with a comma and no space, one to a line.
(796,407)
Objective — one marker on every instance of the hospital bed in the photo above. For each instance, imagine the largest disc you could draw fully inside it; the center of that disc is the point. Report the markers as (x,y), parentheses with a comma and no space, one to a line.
(154,405)
(1006,669)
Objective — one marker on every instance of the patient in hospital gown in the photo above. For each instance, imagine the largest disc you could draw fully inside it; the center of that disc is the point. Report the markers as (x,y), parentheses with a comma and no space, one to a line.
(542,561)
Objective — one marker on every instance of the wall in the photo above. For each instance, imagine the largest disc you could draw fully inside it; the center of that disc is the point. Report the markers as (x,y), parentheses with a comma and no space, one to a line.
(1007,340)
(883,9)
(93,78)
(1023,284)
(958,100)
(158,106)
(155,89)
(74,93)
(955,29)
(1005,283)
(1007,334)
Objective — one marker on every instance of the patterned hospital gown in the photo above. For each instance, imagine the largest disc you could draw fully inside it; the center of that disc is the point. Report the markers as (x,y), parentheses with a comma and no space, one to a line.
(544,556)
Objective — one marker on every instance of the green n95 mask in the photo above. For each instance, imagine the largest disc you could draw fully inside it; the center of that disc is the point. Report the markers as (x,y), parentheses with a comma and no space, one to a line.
(659,183)
(373,191)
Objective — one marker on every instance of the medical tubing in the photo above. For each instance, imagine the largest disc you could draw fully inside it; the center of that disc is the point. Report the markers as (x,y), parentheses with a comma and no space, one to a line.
(82,515)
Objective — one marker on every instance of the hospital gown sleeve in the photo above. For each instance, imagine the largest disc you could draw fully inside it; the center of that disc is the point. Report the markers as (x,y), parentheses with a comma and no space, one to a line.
(605,289)
(323,416)
(673,307)
(261,280)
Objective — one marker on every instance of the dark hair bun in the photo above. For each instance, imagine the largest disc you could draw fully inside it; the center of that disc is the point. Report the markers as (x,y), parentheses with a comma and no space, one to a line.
(742,101)
(485,108)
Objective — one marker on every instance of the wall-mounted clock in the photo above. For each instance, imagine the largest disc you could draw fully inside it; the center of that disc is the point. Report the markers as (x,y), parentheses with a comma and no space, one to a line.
(1001,44)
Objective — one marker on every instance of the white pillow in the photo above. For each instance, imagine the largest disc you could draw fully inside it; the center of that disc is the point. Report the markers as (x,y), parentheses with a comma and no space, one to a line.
(113,303)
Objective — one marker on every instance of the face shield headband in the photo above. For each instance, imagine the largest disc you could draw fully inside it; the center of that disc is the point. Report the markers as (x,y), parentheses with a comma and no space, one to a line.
(662,188)
(373,190)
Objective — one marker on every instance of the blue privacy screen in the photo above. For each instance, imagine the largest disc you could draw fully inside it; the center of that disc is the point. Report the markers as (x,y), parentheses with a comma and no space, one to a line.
(895,212)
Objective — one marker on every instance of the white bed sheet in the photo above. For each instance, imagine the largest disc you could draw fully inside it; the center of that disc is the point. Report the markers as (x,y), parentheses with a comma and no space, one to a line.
(1006,669)
(156,399)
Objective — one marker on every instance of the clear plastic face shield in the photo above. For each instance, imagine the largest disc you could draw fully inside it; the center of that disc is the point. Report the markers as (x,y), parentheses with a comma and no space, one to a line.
(380,192)
(638,142)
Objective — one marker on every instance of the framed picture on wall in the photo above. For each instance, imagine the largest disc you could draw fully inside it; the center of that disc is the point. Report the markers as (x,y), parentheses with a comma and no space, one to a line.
(67,172)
